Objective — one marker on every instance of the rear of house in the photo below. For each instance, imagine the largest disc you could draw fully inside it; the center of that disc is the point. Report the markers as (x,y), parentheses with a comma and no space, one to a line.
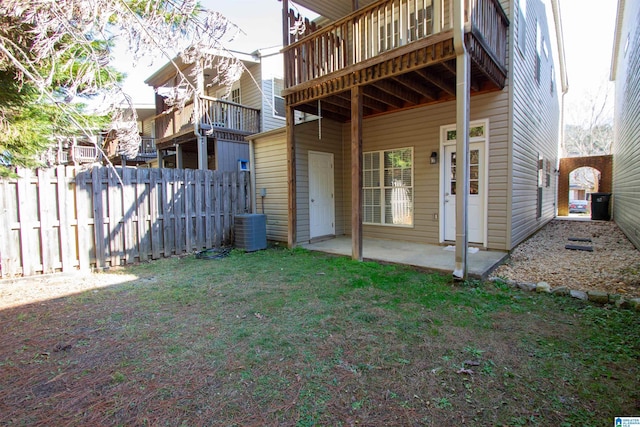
(625,72)
(408,172)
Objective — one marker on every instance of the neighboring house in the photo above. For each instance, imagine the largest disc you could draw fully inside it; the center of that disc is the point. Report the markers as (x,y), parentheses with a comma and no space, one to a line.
(625,71)
(227,114)
(381,159)
(147,149)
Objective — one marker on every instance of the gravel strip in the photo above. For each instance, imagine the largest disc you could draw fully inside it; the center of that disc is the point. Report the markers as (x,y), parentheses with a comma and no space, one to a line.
(612,267)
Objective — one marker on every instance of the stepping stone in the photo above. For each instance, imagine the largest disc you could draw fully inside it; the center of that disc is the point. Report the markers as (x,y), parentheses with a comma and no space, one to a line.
(579,248)
(580,239)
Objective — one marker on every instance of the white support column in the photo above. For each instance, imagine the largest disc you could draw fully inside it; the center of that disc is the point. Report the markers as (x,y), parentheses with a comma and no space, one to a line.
(462,140)
(203,163)
(201,141)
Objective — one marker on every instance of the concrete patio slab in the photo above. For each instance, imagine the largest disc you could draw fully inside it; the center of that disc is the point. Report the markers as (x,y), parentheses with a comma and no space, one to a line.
(429,257)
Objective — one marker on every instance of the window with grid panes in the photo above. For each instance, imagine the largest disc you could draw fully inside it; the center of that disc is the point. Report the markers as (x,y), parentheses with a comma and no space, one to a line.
(388,187)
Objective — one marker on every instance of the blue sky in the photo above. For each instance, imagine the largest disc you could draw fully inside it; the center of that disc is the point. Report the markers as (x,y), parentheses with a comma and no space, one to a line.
(588,36)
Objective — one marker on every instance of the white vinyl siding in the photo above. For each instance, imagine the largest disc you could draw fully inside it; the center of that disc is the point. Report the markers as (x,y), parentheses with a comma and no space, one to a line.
(626,146)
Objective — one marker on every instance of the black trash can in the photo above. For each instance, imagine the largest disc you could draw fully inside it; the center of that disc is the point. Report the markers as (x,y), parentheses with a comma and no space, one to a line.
(600,206)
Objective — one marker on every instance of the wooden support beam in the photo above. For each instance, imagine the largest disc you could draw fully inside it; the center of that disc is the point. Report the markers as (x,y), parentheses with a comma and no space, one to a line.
(370,105)
(412,82)
(326,113)
(291,177)
(398,91)
(356,173)
(438,81)
(345,103)
(383,97)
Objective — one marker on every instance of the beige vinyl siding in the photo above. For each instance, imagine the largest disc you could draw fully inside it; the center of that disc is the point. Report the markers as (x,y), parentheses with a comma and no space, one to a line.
(420,128)
(250,92)
(270,158)
(626,146)
(535,127)
(309,138)
(147,127)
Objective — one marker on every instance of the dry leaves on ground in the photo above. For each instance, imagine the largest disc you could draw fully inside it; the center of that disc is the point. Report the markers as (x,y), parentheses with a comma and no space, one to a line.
(612,267)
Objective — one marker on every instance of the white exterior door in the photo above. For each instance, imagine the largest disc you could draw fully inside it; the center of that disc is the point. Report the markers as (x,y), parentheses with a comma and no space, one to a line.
(476,213)
(321,200)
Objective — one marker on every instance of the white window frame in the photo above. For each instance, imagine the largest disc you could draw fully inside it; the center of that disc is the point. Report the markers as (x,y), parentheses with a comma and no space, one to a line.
(384,189)
(273,100)
(522,26)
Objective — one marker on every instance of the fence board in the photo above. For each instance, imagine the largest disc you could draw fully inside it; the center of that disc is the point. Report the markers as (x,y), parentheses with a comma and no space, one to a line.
(208,207)
(98,219)
(154,215)
(26,221)
(10,259)
(67,218)
(189,184)
(85,222)
(217,210)
(114,219)
(142,202)
(167,212)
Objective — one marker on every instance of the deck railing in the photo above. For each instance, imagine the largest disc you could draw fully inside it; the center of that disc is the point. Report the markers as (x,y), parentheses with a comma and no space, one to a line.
(146,148)
(174,121)
(230,116)
(214,114)
(383,26)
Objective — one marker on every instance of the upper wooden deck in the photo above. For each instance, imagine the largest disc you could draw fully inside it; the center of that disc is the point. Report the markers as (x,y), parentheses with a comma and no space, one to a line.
(401,51)
(216,117)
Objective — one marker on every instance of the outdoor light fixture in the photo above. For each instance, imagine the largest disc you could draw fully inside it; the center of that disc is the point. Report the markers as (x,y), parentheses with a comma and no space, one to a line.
(434,158)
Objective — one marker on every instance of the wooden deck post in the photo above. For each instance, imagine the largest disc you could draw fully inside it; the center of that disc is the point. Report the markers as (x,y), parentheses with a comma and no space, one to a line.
(285,23)
(356,172)
(291,177)
(462,140)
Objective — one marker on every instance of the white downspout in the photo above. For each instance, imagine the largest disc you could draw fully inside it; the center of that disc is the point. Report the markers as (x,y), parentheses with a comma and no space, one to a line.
(462,139)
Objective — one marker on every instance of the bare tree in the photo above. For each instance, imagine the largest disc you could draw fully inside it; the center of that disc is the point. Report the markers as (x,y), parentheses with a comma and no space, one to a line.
(589,129)
(589,132)
(63,49)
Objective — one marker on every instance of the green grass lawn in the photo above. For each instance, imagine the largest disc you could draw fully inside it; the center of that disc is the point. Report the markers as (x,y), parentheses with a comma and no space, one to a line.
(294,338)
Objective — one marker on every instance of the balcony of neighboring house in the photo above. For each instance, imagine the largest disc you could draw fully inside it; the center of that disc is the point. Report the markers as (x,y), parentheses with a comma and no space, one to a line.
(73,151)
(146,151)
(215,118)
(400,51)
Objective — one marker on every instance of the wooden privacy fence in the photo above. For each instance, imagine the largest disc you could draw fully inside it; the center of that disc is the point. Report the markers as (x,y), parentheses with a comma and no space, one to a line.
(67,218)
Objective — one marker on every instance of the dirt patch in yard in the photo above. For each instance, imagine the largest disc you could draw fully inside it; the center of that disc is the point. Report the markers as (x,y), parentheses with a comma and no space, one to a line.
(612,267)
